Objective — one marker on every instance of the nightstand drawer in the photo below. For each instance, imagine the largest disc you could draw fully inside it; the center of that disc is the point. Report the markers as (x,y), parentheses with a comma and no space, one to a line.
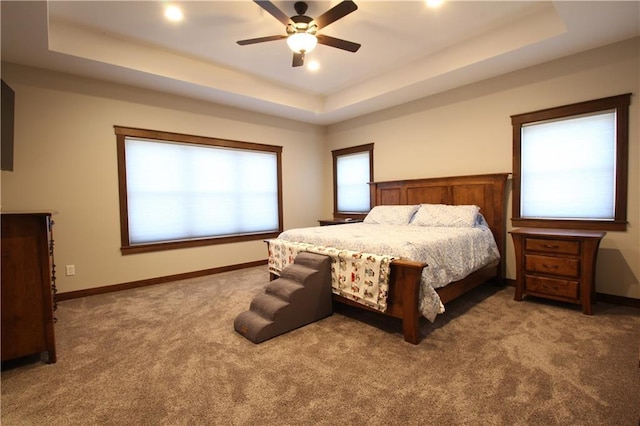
(552,246)
(553,287)
(566,267)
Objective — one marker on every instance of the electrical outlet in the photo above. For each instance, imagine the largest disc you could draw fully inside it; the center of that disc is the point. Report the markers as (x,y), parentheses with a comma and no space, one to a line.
(71,270)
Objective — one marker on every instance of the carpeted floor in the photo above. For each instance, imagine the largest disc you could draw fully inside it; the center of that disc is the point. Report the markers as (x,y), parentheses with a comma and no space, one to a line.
(168,355)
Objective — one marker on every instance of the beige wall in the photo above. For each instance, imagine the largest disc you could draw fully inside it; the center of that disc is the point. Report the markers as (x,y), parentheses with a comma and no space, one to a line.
(65,156)
(468,131)
(65,160)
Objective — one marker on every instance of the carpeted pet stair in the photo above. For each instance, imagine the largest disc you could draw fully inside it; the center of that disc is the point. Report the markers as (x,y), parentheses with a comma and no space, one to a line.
(300,296)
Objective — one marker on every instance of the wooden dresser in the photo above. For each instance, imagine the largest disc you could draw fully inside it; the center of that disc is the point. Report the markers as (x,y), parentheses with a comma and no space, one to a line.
(28,286)
(557,264)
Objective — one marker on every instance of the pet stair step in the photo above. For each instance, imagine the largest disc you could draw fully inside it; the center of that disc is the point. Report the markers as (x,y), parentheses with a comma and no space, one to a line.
(284,288)
(253,326)
(309,260)
(300,296)
(299,273)
(267,305)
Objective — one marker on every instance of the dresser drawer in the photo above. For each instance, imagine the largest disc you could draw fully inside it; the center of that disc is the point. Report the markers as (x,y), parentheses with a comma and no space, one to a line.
(552,246)
(552,287)
(562,266)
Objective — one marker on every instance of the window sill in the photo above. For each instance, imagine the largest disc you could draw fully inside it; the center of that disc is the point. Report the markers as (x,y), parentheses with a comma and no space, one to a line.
(570,224)
(173,245)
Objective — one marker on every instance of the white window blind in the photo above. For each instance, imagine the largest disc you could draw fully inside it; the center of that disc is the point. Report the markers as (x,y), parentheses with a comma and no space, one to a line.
(183,191)
(352,176)
(568,168)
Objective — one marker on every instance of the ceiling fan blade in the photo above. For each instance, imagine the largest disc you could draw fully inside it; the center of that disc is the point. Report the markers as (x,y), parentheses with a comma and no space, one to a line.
(298,59)
(260,39)
(338,43)
(338,11)
(274,11)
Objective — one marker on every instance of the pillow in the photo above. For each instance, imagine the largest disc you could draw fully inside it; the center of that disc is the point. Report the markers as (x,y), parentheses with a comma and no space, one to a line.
(391,215)
(464,216)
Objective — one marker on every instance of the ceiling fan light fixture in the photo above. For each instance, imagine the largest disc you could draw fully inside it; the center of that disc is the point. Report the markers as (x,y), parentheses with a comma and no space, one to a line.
(301,29)
(302,42)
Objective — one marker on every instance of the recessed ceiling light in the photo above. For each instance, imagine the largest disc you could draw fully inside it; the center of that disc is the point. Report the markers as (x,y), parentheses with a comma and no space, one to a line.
(434,3)
(173,13)
(313,65)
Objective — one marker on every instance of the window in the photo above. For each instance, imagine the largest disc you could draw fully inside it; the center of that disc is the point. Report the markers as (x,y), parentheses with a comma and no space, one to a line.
(352,172)
(183,191)
(570,165)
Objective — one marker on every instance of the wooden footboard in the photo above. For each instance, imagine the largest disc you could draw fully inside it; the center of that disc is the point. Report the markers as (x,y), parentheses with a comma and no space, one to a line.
(404,290)
(403,298)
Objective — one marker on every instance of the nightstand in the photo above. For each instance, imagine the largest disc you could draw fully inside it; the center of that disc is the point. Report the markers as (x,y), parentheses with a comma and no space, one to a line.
(557,264)
(338,221)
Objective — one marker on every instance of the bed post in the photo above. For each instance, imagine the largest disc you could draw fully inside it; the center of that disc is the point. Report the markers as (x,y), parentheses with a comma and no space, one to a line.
(407,277)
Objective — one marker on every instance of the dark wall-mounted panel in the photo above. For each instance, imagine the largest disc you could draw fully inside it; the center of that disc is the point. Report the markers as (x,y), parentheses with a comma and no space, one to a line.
(6,145)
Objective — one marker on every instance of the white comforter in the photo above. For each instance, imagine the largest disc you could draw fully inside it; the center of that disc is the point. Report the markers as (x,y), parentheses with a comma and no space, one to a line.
(450,253)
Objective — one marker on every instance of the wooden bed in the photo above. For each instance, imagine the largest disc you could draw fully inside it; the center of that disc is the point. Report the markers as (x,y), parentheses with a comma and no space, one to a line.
(486,191)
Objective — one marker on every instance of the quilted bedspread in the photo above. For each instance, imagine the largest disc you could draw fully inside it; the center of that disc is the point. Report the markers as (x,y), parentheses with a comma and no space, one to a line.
(450,253)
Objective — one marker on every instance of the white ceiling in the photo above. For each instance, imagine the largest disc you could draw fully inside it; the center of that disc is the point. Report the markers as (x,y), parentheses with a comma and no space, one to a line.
(408,50)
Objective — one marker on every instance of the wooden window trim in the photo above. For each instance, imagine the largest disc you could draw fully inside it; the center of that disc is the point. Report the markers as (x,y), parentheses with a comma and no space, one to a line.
(126,248)
(346,151)
(620,104)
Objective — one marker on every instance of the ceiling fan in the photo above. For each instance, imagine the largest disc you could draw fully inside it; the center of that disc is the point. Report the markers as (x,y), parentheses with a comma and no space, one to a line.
(302,35)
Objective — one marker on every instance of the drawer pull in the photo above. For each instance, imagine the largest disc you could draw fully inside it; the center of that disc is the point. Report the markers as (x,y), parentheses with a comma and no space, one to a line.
(550,266)
(551,246)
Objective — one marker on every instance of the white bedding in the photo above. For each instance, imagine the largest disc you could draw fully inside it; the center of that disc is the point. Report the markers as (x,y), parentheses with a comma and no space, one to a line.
(450,253)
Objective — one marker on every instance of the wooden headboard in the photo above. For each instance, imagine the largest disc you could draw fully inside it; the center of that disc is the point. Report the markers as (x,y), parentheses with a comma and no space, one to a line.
(485,191)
